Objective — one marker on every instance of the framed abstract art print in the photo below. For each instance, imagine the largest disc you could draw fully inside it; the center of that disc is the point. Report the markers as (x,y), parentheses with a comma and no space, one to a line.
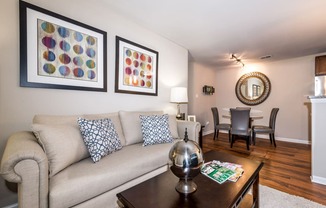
(136,68)
(59,52)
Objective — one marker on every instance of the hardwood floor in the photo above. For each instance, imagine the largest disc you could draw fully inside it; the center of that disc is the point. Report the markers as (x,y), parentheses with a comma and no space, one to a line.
(286,168)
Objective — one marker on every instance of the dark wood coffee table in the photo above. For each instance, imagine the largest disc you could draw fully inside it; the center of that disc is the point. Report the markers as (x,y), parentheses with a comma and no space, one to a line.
(159,192)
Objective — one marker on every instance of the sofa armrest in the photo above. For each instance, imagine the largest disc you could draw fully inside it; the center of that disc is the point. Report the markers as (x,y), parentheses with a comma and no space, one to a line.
(193,129)
(24,162)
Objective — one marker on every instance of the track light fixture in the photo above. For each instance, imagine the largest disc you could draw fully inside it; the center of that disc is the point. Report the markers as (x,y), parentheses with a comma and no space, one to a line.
(237,60)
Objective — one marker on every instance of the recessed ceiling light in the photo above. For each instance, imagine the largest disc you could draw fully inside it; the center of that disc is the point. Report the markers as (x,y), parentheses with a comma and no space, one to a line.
(266,57)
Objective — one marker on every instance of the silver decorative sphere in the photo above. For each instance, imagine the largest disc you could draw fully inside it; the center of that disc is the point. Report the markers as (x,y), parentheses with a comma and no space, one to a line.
(187,158)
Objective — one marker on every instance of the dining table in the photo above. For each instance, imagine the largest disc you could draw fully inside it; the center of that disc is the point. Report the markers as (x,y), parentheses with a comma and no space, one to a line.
(254,114)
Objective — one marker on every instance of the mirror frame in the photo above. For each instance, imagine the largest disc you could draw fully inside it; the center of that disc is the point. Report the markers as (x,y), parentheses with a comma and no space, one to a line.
(260,99)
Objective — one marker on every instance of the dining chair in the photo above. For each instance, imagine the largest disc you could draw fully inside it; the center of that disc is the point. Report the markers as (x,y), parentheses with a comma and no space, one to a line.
(259,129)
(245,108)
(240,125)
(219,126)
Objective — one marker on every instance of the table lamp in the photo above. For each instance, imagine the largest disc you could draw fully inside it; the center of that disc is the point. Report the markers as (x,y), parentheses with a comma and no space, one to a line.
(179,95)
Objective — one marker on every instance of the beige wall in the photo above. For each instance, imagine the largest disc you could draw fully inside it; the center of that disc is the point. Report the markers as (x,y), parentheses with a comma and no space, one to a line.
(19,105)
(292,81)
(199,103)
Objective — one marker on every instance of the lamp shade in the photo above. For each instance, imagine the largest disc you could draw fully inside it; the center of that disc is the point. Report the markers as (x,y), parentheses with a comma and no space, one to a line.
(179,95)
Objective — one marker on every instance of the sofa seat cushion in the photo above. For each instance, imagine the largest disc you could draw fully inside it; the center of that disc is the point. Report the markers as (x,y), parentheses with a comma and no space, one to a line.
(85,179)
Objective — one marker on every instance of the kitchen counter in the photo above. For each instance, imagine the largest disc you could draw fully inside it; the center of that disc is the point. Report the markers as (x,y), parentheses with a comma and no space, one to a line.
(316,96)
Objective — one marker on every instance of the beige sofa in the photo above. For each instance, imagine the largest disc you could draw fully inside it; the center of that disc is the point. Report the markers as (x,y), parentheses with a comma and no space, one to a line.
(54,169)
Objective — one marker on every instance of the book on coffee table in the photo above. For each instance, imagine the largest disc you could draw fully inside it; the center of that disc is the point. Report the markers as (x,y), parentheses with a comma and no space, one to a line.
(222,171)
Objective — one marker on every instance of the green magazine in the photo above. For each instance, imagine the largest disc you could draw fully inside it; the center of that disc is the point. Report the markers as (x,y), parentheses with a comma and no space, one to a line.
(217,172)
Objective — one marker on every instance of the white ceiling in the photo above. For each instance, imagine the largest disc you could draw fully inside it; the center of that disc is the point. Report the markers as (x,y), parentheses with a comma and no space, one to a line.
(213,29)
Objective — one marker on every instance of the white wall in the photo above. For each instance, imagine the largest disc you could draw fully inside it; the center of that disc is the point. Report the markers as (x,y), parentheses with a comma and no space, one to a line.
(318,169)
(19,105)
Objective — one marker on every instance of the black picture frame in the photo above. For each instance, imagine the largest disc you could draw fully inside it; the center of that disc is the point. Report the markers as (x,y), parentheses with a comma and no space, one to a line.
(136,68)
(89,74)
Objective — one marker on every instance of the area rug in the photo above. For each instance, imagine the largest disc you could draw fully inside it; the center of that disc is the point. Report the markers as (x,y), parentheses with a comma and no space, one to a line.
(272,198)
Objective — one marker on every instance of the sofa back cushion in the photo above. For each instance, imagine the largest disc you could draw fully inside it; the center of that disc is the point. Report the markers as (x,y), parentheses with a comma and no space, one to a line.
(61,138)
(173,126)
(131,125)
(115,120)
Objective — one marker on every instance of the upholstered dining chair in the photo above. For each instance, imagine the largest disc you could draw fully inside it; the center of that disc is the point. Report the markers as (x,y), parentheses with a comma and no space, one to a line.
(219,126)
(240,125)
(258,129)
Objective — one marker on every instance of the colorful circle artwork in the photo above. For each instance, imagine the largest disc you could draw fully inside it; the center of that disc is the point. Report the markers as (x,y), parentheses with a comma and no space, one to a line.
(142,73)
(90,52)
(128,70)
(136,63)
(64,70)
(48,27)
(65,46)
(149,67)
(128,53)
(128,61)
(135,55)
(66,53)
(142,65)
(90,40)
(78,36)
(78,72)
(78,49)
(135,81)
(149,84)
(143,57)
(91,74)
(90,64)
(78,61)
(127,80)
(49,68)
(135,72)
(64,58)
(49,55)
(137,69)
(49,42)
(63,32)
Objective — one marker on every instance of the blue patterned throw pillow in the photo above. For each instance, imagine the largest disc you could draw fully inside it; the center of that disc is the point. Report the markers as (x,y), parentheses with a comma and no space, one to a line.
(100,137)
(155,129)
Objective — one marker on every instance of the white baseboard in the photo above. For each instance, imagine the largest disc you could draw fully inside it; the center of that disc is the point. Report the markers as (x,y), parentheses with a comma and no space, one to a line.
(208,132)
(265,136)
(12,206)
(317,179)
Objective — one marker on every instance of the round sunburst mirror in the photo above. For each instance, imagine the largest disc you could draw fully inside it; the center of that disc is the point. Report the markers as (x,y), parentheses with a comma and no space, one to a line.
(253,88)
